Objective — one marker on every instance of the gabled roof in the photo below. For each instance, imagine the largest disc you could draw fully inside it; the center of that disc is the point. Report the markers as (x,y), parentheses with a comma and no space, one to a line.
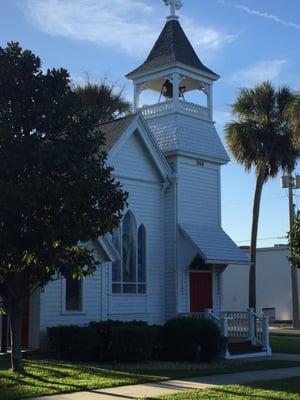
(172,46)
(113,130)
(213,244)
(116,132)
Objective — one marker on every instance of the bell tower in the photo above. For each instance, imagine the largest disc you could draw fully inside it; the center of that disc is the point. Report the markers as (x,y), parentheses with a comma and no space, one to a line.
(180,80)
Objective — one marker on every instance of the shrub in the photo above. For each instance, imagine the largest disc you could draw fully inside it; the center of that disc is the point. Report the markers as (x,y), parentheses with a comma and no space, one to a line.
(190,339)
(131,341)
(74,343)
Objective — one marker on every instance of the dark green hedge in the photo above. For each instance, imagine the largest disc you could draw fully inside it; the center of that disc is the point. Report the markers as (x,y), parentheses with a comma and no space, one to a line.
(116,341)
(190,339)
(180,339)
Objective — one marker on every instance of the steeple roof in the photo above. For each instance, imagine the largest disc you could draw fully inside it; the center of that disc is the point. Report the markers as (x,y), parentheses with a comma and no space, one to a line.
(171,47)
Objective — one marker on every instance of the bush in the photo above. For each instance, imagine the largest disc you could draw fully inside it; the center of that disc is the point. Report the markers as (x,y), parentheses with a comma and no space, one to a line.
(190,339)
(132,341)
(181,339)
(74,343)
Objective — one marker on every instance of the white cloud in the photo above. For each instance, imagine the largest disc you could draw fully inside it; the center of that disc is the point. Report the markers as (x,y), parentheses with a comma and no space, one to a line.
(272,17)
(263,70)
(129,25)
(206,38)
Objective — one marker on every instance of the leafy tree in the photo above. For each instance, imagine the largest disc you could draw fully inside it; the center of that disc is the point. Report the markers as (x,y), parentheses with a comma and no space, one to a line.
(104,101)
(294,241)
(261,137)
(57,193)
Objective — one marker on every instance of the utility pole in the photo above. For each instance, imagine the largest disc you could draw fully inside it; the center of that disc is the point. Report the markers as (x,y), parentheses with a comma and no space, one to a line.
(290,182)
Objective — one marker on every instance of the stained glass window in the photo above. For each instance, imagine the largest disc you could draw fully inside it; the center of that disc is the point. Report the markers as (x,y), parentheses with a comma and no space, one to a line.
(129,273)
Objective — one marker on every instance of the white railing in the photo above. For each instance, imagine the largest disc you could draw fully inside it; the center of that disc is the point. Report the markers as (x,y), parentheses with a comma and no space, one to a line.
(247,324)
(194,109)
(163,108)
(157,109)
(239,324)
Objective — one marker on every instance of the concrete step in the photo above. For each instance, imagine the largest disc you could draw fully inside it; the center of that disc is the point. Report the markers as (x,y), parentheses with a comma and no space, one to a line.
(245,347)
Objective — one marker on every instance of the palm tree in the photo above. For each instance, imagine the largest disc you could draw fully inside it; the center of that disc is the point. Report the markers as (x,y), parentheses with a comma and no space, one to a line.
(294,115)
(103,100)
(261,138)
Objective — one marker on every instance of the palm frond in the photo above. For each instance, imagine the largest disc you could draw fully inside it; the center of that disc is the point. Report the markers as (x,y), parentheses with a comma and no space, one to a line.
(261,134)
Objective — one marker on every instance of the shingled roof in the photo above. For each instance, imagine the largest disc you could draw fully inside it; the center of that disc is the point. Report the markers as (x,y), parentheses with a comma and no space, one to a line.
(172,46)
(113,130)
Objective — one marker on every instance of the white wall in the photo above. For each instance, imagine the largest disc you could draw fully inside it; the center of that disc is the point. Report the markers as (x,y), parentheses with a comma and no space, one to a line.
(199,191)
(273,283)
(137,173)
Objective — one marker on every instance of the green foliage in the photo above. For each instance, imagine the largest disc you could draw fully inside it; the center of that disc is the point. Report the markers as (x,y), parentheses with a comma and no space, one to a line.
(191,339)
(132,341)
(293,112)
(102,100)
(261,136)
(44,378)
(56,189)
(285,344)
(294,241)
(74,343)
(180,339)
(57,193)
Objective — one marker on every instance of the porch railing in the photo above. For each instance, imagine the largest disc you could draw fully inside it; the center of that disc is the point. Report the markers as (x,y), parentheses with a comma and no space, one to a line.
(240,324)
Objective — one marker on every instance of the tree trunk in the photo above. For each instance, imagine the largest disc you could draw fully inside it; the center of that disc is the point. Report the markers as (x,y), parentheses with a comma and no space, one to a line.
(255,217)
(15,297)
(16,317)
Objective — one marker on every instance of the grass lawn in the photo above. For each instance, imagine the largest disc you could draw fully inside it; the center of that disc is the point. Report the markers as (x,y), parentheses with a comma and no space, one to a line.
(44,378)
(287,389)
(285,344)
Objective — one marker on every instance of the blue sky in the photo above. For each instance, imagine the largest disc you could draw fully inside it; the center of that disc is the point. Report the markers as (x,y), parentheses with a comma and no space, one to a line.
(245,41)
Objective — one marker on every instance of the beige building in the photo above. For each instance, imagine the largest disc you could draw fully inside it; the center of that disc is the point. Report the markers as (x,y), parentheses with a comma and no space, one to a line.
(274,296)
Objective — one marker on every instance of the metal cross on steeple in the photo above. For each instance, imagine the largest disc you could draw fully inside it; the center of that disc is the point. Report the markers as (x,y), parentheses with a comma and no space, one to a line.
(174,5)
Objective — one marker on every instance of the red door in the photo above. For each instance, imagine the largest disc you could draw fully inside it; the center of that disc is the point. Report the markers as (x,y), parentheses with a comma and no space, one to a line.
(200,291)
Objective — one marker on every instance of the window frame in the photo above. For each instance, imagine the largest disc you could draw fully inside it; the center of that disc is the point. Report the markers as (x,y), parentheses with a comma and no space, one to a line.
(65,311)
(122,282)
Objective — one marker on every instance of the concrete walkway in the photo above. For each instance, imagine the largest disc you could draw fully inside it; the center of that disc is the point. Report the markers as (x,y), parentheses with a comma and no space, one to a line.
(175,386)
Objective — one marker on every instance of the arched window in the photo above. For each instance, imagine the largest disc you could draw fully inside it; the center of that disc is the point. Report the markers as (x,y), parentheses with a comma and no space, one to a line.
(129,273)
(142,259)
(129,253)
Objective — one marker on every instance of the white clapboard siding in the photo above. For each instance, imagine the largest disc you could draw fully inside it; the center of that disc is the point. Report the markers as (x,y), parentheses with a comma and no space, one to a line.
(170,231)
(133,160)
(145,202)
(199,200)
(217,288)
(137,172)
(53,304)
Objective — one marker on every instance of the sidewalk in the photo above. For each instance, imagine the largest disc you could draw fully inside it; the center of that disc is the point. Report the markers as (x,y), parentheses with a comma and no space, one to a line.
(174,386)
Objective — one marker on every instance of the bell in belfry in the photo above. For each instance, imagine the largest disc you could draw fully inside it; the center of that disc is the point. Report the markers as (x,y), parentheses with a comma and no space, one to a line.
(167,89)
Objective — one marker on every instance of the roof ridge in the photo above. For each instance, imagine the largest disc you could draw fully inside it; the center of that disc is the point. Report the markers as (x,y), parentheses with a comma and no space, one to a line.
(119,119)
(172,46)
